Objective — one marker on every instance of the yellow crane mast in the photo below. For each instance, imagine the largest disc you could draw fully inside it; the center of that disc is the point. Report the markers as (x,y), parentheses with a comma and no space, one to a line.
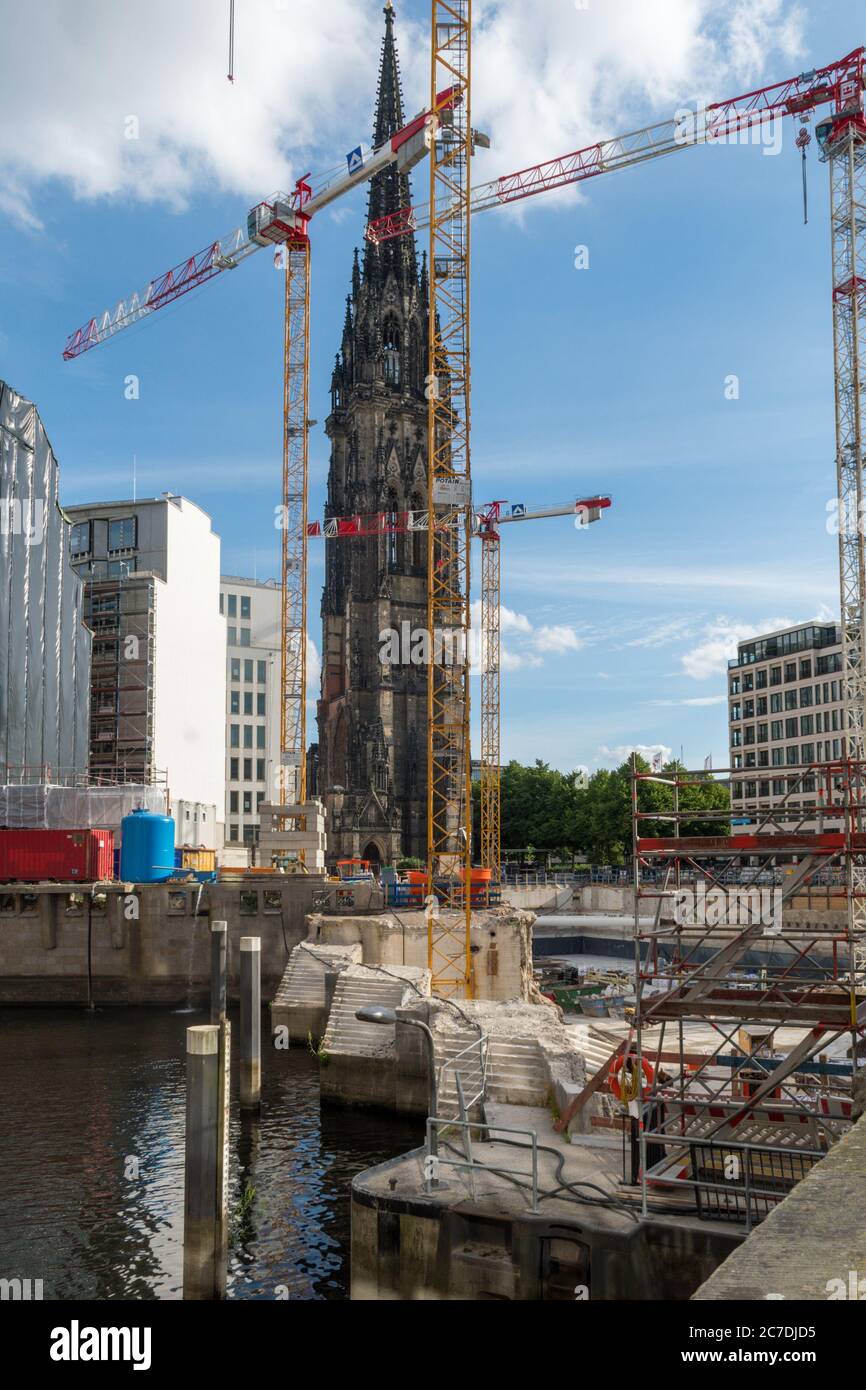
(449,784)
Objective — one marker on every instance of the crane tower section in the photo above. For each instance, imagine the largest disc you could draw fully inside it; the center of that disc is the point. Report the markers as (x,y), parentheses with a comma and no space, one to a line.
(449,787)
(842,138)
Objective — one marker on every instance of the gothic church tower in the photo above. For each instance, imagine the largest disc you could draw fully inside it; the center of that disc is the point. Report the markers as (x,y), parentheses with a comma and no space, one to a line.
(372,770)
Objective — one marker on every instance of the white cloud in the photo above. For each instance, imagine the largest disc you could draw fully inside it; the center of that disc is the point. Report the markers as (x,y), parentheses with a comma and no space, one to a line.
(314,667)
(549,78)
(304,81)
(517,661)
(557,638)
(771,582)
(525,646)
(509,621)
(584,74)
(719,645)
(659,634)
(616,756)
(698,700)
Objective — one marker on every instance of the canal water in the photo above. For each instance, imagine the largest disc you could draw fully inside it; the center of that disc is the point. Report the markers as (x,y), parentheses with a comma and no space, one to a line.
(91,1161)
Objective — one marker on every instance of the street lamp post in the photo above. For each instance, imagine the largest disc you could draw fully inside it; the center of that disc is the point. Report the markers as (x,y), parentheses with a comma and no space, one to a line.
(377,1013)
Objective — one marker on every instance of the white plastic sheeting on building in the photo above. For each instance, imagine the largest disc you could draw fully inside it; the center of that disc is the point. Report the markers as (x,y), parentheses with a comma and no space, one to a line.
(44,645)
(75,808)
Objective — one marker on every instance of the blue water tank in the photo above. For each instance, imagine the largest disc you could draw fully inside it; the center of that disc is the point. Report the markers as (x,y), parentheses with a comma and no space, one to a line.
(147,847)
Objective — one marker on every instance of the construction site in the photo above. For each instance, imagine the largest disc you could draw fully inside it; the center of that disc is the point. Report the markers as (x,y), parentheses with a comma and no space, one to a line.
(645,1086)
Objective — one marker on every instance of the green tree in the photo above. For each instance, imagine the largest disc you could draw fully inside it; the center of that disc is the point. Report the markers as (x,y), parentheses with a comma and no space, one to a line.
(547,810)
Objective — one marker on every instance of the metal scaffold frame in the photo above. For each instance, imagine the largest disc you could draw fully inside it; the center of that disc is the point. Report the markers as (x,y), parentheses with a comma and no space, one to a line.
(491,654)
(729,943)
(293,714)
(449,786)
(845,151)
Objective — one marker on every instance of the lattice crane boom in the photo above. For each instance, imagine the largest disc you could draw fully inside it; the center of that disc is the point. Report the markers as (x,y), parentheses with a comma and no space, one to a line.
(842,140)
(281,222)
(797,96)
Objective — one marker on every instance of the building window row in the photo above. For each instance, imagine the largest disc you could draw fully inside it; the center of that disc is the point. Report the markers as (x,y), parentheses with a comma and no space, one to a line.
(248,666)
(235,702)
(800,639)
(229,606)
(245,799)
(802,697)
(243,834)
(235,766)
(248,731)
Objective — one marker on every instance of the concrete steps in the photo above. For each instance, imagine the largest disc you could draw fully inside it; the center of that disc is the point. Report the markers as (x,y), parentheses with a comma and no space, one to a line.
(303,980)
(345,1033)
(516,1073)
(300,1003)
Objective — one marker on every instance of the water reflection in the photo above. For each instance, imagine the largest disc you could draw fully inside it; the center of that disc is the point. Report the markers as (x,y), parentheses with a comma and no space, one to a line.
(91,1161)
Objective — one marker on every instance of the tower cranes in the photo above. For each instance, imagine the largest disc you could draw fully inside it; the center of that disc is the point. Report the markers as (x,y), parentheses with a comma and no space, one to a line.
(841,138)
(281,222)
(444,130)
(585,510)
(485,526)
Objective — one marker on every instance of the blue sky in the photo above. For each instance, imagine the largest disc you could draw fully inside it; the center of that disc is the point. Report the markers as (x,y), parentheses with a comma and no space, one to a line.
(608,378)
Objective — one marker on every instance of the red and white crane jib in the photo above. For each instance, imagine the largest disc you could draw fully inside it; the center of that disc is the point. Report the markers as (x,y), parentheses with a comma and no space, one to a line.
(586,509)
(274,221)
(840,82)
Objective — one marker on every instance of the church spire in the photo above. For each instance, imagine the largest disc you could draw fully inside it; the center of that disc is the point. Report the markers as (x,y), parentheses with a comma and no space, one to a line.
(389,97)
(389,190)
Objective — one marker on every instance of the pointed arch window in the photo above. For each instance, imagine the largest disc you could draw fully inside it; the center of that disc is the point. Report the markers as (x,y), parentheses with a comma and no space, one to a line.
(392,342)
(393,538)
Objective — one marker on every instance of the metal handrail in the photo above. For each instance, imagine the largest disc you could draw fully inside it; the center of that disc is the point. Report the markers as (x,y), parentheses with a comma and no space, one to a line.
(434,1160)
(732,1188)
(480,1070)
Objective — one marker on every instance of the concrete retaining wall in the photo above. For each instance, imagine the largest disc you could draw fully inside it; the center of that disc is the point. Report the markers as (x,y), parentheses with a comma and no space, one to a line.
(406,1245)
(601,897)
(501,945)
(148,946)
(813,1244)
(544,898)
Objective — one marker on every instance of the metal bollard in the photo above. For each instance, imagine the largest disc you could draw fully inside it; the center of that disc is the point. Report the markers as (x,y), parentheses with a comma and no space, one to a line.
(201,1187)
(218,957)
(251,1022)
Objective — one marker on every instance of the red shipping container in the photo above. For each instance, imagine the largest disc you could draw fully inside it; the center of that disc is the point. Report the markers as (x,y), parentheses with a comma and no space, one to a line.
(66,856)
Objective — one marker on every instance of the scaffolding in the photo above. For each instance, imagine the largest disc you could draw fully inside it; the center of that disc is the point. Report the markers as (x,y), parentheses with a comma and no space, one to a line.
(121,613)
(750,1003)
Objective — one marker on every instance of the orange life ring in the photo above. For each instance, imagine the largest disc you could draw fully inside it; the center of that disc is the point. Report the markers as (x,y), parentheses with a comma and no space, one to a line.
(617,1067)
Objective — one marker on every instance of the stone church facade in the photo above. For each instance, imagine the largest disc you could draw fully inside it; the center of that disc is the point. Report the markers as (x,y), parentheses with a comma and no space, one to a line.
(372,770)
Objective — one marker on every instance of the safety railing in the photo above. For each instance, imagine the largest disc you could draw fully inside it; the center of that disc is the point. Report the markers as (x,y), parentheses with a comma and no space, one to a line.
(730,1181)
(469,1070)
(411,896)
(541,879)
(435,1160)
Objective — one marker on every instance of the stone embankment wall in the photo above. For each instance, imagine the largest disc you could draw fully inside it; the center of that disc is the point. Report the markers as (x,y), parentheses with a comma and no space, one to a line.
(142,944)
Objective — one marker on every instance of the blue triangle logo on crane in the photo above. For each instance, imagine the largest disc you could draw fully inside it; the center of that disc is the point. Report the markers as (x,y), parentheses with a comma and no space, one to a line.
(355,159)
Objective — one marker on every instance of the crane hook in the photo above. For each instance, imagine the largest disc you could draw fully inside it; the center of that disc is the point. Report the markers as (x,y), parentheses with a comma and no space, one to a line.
(804,139)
